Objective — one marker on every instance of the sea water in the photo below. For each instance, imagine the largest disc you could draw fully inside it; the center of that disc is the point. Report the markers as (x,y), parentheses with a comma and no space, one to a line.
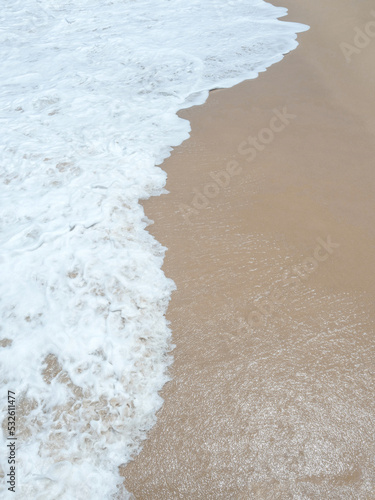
(89,93)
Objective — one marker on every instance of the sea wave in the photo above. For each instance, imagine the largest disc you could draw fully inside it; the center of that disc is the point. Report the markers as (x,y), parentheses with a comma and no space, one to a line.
(88,98)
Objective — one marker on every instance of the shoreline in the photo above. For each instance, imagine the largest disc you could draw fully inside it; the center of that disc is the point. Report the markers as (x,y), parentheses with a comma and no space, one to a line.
(273,317)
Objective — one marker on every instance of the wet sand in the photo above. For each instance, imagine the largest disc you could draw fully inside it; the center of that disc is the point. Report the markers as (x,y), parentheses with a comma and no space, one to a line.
(273,320)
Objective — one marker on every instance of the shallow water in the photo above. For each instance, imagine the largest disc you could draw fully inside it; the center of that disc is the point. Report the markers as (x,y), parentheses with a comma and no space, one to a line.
(89,96)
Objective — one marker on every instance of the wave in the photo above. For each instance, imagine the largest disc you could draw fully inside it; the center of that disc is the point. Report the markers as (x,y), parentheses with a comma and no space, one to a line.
(89,96)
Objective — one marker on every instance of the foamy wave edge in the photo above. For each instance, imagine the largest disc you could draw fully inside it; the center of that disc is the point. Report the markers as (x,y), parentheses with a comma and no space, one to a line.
(90,95)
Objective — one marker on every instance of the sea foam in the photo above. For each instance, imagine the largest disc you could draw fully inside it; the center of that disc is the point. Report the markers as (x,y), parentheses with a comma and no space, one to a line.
(88,97)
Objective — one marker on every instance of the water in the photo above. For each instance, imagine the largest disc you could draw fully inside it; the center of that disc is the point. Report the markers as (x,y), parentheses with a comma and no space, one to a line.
(88,99)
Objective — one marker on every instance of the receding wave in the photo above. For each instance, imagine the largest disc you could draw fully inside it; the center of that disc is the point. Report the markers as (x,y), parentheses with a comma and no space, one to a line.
(88,97)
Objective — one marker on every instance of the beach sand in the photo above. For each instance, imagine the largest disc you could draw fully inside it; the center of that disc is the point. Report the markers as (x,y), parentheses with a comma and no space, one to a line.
(272,394)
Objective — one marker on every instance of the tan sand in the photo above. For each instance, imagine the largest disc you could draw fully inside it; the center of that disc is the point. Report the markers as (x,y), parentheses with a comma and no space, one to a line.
(273,382)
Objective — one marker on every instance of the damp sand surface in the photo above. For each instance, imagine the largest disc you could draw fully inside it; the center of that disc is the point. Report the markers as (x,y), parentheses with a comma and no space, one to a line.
(273,318)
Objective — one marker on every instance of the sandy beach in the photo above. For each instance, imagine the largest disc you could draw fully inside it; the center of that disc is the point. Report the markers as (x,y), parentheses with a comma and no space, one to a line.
(270,229)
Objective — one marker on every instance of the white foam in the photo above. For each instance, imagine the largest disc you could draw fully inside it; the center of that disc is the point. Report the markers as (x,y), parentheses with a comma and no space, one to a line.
(88,99)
